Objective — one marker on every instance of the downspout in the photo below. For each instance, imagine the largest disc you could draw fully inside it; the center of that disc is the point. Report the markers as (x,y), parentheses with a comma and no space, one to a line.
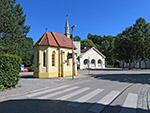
(59,64)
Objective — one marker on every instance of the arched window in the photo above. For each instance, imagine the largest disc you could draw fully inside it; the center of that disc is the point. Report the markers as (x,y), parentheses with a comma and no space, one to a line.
(93,62)
(99,62)
(68,60)
(44,59)
(85,62)
(53,58)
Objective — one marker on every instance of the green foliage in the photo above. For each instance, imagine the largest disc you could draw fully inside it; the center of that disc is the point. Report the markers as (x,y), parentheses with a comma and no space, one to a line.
(31,69)
(9,70)
(27,46)
(1,87)
(87,43)
(141,36)
(133,42)
(76,38)
(13,32)
(105,45)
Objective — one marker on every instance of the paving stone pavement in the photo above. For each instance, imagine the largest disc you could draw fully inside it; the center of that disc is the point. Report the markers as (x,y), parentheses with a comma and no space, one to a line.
(78,98)
(28,84)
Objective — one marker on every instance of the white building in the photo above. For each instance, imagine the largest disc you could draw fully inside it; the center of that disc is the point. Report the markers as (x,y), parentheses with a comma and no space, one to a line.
(91,58)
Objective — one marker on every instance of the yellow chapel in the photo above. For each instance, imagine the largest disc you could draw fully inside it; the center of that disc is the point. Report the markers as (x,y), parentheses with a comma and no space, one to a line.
(51,55)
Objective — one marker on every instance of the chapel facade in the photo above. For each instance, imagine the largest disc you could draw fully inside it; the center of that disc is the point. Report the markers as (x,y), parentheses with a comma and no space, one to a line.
(51,55)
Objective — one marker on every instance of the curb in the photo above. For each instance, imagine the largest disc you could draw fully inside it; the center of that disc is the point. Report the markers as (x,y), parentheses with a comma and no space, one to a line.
(144,99)
(148,99)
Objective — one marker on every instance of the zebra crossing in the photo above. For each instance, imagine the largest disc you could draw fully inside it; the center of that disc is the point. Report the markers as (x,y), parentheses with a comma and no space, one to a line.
(99,106)
(63,93)
(130,102)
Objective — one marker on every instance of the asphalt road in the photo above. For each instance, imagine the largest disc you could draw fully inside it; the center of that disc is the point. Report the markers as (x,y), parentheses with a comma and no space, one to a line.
(108,91)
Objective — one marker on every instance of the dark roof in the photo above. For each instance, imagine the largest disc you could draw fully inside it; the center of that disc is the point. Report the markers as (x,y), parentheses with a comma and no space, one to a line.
(85,50)
(55,39)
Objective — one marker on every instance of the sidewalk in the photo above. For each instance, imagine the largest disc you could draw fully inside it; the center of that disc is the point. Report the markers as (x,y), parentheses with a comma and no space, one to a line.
(28,84)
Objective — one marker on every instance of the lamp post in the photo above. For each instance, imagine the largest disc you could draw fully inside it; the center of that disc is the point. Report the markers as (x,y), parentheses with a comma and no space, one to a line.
(74,26)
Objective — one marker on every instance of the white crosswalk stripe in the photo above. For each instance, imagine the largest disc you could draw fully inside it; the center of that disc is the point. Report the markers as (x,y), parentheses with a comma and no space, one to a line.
(47,91)
(85,97)
(73,93)
(130,104)
(57,93)
(100,105)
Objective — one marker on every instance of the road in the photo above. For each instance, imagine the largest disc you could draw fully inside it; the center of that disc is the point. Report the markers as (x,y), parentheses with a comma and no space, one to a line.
(105,92)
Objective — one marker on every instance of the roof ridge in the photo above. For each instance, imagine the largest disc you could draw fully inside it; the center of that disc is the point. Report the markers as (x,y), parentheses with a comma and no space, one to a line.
(47,39)
(99,52)
(39,40)
(95,50)
(55,38)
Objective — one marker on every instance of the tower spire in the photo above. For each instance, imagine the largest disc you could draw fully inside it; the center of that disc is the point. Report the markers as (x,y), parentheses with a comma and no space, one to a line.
(67,27)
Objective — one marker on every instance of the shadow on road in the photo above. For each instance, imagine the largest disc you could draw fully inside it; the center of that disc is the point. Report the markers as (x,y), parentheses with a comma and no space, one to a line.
(53,106)
(142,78)
(26,76)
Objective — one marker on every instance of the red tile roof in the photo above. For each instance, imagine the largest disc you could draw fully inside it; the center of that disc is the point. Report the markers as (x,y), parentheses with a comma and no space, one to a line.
(54,39)
(46,40)
(63,40)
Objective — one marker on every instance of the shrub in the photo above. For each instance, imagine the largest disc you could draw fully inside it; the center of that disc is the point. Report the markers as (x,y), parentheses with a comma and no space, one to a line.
(1,87)
(9,70)
(31,69)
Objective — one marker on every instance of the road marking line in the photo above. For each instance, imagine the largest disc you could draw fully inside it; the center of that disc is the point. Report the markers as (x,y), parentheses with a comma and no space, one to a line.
(46,91)
(57,93)
(130,104)
(73,94)
(85,98)
(100,105)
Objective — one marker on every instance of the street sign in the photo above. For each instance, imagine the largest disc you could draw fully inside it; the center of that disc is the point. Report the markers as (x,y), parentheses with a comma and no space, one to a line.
(22,67)
(73,63)
(69,55)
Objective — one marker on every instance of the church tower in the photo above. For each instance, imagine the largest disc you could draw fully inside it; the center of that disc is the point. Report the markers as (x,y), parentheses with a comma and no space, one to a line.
(67,27)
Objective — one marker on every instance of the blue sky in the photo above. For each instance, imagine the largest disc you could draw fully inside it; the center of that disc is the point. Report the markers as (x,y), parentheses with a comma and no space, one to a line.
(100,17)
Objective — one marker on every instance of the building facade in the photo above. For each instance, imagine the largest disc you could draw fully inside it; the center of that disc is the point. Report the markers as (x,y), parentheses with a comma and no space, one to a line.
(91,58)
(51,55)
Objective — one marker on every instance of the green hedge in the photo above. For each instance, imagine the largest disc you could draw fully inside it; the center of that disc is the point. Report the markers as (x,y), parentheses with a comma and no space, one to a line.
(31,68)
(9,70)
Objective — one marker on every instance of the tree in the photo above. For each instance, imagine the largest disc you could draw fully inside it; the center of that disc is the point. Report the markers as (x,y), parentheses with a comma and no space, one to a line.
(76,38)
(87,43)
(12,29)
(27,57)
(141,34)
(105,45)
(107,49)
(133,43)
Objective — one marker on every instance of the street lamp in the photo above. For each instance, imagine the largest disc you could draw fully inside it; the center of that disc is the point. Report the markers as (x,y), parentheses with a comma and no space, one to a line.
(74,26)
